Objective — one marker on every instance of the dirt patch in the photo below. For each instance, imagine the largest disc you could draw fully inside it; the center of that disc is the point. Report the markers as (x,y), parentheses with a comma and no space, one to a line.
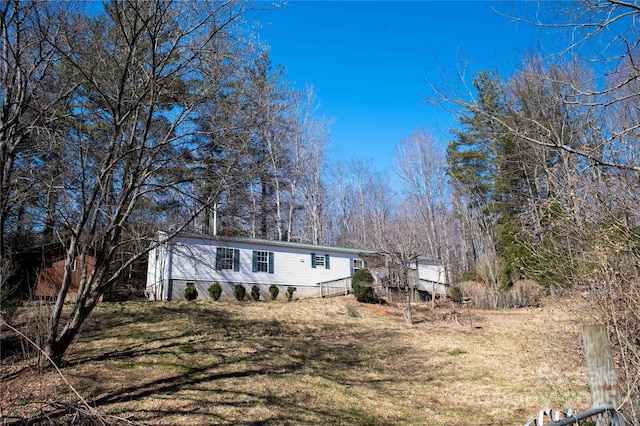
(383,309)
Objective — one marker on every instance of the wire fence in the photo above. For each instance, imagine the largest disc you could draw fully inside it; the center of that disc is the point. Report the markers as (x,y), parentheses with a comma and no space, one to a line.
(604,415)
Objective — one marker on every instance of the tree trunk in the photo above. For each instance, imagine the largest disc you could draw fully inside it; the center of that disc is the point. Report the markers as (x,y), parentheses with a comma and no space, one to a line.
(54,348)
(52,353)
(407,296)
(408,319)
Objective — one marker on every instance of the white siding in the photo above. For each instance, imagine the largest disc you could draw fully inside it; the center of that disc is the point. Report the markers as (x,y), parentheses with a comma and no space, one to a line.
(193,259)
(152,276)
(157,274)
(434,273)
(432,279)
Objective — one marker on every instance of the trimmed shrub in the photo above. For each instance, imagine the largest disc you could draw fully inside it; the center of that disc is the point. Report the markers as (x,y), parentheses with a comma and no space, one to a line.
(361,285)
(364,293)
(240,292)
(274,291)
(362,276)
(255,293)
(190,293)
(215,291)
(290,291)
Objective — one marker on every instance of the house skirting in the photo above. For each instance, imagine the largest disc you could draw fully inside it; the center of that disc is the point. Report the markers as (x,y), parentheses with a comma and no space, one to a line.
(228,290)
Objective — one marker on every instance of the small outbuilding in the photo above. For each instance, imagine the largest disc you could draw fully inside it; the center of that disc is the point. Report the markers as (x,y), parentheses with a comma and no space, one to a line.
(201,260)
(39,272)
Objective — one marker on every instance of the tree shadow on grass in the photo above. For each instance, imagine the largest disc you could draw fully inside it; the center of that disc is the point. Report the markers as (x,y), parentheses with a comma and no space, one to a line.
(148,339)
(329,360)
(211,371)
(111,319)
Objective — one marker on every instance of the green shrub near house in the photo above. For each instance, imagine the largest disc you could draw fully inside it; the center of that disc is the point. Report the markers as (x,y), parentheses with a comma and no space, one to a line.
(290,291)
(190,293)
(363,292)
(255,293)
(215,291)
(274,291)
(240,292)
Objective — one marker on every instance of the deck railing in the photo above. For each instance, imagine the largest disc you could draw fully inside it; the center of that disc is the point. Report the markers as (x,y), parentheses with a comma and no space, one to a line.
(333,288)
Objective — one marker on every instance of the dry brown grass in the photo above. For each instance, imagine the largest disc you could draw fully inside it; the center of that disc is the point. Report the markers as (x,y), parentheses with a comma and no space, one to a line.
(315,361)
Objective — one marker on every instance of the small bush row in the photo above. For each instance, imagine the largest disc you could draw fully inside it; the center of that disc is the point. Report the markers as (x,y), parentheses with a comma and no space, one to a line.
(215,292)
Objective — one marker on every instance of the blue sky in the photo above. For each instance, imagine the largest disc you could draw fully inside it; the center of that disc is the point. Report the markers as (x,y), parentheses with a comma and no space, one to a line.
(371,62)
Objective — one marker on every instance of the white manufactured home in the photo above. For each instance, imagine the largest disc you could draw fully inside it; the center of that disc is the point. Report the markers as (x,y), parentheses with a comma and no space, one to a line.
(201,260)
(431,278)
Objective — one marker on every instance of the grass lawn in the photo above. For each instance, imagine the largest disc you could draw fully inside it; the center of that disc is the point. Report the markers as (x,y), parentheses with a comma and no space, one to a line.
(315,361)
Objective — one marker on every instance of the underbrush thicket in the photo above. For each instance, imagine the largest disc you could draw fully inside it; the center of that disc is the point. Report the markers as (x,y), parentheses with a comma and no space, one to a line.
(522,293)
(609,279)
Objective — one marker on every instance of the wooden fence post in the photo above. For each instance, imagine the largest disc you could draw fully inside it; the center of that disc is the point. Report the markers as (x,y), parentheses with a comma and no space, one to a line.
(602,374)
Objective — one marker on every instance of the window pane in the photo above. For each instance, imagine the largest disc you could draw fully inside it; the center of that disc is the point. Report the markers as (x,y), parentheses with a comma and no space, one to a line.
(263,261)
(225,258)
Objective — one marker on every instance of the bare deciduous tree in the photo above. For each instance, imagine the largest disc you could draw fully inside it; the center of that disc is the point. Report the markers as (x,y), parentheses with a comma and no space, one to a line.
(307,181)
(402,243)
(138,81)
(29,33)
(421,165)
